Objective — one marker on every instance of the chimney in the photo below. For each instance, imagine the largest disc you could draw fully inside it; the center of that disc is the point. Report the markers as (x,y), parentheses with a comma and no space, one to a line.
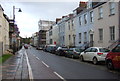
(57,19)
(70,15)
(83,4)
(64,16)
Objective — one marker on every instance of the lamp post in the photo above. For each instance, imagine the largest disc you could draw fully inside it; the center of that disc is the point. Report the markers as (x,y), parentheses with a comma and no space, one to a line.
(14,33)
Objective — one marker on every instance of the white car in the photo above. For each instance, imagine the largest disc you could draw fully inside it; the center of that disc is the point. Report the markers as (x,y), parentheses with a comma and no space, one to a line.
(94,54)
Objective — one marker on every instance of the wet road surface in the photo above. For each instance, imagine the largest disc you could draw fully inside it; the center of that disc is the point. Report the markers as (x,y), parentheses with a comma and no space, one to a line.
(49,66)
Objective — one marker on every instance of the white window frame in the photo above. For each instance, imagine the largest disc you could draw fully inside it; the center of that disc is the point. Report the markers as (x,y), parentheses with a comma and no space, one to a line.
(101,34)
(91,16)
(112,8)
(100,11)
(112,33)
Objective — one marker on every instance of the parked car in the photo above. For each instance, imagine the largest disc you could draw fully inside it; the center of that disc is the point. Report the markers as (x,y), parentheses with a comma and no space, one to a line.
(74,52)
(61,51)
(39,48)
(26,46)
(51,48)
(113,58)
(94,54)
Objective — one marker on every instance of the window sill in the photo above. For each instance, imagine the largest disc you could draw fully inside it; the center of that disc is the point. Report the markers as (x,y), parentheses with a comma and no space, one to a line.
(111,15)
(100,18)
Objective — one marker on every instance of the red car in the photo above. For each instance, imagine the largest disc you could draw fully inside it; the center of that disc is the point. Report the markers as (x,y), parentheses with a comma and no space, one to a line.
(26,46)
(113,58)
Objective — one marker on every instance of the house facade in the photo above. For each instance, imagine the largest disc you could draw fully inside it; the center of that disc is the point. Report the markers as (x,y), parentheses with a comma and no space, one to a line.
(44,26)
(84,27)
(61,26)
(70,31)
(106,24)
(4,31)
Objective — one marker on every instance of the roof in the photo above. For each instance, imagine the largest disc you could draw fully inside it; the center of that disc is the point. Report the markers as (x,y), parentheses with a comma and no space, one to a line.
(1,7)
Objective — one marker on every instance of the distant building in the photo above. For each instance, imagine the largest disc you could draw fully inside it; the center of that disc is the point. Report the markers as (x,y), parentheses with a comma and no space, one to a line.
(52,36)
(34,40)
(44,26)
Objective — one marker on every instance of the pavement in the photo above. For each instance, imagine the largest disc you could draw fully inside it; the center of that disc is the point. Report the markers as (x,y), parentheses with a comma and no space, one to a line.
(16,68)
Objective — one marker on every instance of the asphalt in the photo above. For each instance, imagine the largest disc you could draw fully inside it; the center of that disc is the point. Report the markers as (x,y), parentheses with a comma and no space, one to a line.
(36,65)
(67,68)
(15,68)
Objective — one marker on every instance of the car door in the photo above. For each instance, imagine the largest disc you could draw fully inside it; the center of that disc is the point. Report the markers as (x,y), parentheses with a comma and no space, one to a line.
(86,54)
(116,56)
(92,53)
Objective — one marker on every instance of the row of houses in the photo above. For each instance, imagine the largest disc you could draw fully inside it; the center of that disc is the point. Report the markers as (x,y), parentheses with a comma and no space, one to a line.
(91,24)
(9,32)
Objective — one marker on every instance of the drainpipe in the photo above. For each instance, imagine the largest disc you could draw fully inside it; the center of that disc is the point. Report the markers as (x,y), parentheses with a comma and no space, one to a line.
(119,19)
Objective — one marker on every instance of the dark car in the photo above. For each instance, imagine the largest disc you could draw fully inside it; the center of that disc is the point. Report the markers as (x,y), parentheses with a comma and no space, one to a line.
(51,48)
(74,52)
(61,51)
(39,48)
(113,58)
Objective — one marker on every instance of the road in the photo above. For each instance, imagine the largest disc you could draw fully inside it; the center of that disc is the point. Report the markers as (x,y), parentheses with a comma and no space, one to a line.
(49,66)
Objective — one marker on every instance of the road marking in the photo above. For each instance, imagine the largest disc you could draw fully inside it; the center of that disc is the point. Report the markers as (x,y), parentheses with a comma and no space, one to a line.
(59,76)
(37,58)
(29,68)
(45,64)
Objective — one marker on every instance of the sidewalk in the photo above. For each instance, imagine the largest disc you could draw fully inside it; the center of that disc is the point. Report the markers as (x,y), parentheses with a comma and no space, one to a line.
(15,68)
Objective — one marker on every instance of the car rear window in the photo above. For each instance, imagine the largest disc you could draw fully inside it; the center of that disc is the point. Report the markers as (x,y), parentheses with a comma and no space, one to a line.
(103,50)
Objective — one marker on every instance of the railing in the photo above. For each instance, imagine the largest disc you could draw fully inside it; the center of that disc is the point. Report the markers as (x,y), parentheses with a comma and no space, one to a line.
(113,45)
(87,45)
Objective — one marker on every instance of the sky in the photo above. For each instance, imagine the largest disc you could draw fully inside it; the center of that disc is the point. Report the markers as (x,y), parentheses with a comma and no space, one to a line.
(33,11)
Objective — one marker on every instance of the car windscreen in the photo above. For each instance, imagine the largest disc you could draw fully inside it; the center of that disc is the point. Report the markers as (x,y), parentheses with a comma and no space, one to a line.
(117,48)
(78,50)
(103,50)
(64,48)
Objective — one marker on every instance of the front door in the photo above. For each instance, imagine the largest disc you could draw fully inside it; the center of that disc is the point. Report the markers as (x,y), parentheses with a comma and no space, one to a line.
(91,40)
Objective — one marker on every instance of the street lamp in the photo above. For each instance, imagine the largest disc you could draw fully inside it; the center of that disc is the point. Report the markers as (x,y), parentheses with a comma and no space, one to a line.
(14,12)
(14,38)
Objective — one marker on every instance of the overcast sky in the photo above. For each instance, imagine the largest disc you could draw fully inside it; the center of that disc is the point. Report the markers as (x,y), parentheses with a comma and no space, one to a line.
(32,12)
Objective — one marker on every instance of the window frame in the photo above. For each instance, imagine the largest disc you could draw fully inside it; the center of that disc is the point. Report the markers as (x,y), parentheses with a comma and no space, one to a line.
(91,16)
(112,8)
(85,18)
(100,34)
(100,12)
(112,33)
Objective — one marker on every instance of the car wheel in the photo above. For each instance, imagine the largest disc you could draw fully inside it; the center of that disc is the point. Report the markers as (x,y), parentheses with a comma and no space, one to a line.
(110,65)
(95,61)
(81,59)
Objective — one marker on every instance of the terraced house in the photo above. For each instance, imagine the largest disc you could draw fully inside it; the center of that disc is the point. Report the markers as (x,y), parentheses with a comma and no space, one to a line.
(106,24)
(98,25)
(4,31)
